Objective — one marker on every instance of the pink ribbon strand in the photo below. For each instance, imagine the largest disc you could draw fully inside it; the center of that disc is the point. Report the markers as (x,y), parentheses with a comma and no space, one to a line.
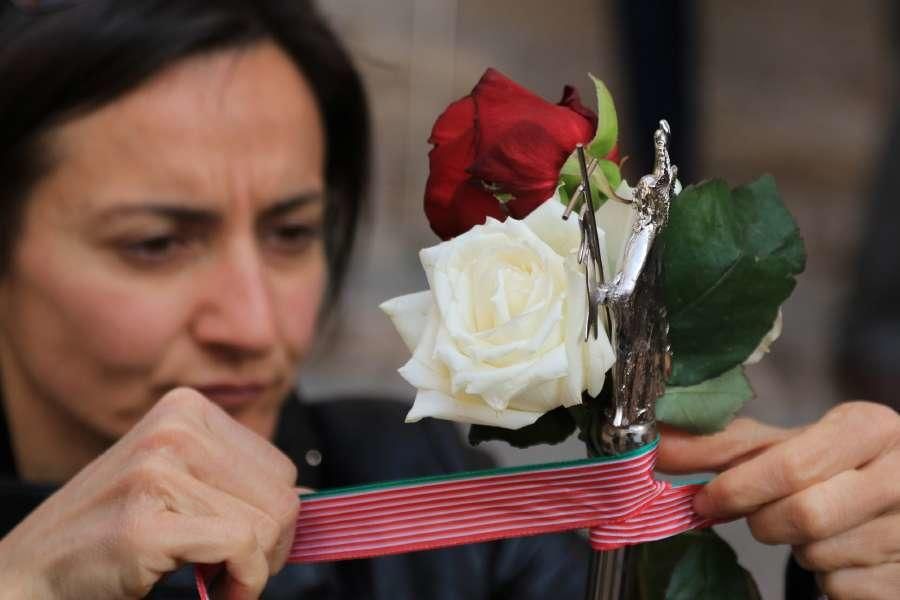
(617,499)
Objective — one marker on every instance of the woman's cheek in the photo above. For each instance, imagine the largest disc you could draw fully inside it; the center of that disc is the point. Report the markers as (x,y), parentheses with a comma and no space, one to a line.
(131,328)
(299,304)
(94,315)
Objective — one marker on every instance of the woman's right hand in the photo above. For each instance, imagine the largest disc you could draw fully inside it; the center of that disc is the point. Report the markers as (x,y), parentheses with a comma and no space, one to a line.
(187,484)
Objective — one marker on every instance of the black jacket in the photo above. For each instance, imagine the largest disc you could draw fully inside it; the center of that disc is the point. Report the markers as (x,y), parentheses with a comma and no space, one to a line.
(367,441)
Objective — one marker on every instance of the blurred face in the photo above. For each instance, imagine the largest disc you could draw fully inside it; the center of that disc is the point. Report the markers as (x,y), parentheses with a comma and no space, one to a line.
(176,241)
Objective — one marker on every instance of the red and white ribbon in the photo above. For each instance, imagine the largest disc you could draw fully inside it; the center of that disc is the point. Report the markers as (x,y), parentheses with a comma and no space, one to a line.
(616,498)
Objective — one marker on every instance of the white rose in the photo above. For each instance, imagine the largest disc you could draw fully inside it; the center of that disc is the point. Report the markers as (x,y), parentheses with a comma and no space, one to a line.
(499,338)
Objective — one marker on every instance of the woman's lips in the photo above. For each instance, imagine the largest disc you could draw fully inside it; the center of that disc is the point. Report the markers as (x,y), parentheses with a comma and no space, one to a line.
(230,396)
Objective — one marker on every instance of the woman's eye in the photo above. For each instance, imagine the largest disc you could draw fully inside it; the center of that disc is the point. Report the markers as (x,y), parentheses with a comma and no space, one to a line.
(292,238)
(155,249)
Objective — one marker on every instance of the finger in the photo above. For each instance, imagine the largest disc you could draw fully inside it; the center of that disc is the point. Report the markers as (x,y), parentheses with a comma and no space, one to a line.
(831,507)
(178,492)
(269,460)
(881,582)
(251,448)
(873,543)
(218,459)
(275,536)
(683,452)
(213,540)
(847,437)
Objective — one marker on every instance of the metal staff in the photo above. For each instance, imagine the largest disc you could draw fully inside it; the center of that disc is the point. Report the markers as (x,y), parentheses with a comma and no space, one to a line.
(635,300)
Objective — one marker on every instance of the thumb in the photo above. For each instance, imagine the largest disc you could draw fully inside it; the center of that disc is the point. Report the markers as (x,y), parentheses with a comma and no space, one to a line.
(684,452)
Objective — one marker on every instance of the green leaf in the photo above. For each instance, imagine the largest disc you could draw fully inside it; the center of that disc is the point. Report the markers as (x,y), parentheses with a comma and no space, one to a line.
(570,178)
(709,570)
(698,565)
(730,261)
(563,194)
(552,427)
(611,171)
(706,407)
(607,123)
(655,563)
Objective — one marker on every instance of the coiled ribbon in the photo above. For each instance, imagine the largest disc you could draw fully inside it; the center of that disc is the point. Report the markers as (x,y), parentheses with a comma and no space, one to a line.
(616,498)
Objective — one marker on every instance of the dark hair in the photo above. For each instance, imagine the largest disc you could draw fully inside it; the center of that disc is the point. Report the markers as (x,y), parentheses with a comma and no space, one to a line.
(58,65)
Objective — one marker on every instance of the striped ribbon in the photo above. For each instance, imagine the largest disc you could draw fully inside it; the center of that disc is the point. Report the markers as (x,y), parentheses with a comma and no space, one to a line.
(617,498)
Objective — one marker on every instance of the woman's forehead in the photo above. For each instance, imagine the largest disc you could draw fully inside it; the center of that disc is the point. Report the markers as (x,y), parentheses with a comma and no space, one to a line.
(236,123)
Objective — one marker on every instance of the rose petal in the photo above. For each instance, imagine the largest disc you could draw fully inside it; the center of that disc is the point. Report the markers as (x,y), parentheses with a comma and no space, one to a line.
(576,323)
(440,406)
(572,99)
(422,370)
(526,159)
(522,140)
(599,358)
(474,205)
(410,315)
(526,202)
(617,221)
(456,121)
(498,386)
(542,398)
(547,223)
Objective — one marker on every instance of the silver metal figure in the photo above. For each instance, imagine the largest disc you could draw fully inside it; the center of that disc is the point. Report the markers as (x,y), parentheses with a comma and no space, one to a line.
(652,197)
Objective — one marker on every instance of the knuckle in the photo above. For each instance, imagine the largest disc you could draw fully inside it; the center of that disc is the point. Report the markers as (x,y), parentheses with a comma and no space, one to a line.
(287,509)
(834,586)
(245,539)
(796,471)
(276,529)
(723,491)
(804,557)
(175,437)
(761,528)
(743,425)
(182,400)
(810,515)
(247,551)
(861,416)
(288,469)
(257,579)
(843,411)
(810,557)
(267,530)
(147,475)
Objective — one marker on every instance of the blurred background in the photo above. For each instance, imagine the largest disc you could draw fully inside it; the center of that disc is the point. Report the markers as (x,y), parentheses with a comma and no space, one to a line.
(804,90)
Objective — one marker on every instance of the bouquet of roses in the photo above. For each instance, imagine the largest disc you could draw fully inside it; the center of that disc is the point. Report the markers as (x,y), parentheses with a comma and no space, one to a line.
(498,341)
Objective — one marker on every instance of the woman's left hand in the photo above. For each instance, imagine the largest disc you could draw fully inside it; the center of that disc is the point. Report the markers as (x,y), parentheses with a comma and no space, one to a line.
(831,490)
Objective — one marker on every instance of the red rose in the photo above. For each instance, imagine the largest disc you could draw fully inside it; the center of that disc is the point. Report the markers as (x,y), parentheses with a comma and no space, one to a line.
(504,137)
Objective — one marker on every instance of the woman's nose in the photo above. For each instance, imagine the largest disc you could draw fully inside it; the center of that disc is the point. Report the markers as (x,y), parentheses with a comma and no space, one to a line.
(236,310)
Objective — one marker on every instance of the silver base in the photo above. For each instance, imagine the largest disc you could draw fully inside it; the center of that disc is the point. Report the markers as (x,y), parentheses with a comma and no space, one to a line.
(617,440)
(610,575)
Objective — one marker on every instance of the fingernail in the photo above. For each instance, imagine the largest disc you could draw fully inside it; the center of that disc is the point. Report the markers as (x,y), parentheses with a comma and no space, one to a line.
(703,505)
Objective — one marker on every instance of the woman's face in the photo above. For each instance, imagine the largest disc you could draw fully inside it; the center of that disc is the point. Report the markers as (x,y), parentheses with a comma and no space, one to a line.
(176,241)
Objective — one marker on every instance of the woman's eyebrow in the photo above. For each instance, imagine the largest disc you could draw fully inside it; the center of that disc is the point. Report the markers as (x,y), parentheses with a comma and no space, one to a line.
(282,207)
(172,212)
(205,216)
